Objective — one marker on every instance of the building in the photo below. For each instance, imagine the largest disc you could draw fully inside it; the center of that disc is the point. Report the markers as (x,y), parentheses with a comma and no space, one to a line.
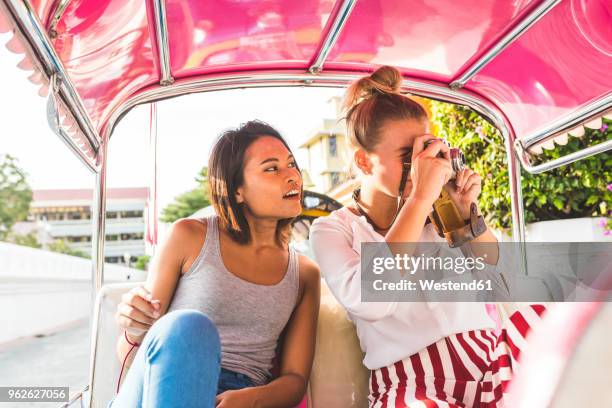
(66,215)
(325,153)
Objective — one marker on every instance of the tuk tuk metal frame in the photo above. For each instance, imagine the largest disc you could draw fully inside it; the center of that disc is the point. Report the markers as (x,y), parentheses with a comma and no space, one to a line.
(49,63)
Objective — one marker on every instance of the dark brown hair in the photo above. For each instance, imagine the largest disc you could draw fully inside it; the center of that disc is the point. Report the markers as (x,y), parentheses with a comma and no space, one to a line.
(373,100)
(226,175)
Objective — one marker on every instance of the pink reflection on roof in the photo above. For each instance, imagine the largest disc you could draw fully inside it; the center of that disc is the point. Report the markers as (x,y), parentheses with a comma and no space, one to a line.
(554,67)
(232,33)
(434,38)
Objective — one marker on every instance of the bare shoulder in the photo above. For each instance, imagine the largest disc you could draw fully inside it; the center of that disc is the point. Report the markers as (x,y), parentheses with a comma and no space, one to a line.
(309,271)
(186,229)
(184,240)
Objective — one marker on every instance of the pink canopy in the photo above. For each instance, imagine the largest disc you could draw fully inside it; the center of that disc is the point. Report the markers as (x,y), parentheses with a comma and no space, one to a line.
(539,63)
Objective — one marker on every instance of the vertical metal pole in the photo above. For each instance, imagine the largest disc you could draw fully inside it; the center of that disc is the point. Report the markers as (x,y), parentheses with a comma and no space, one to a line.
(163,43)
(152,218)
(516,201)
(99,217)
(99,224)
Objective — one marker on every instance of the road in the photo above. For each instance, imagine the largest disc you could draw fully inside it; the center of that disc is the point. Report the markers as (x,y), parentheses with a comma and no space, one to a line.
(57,359)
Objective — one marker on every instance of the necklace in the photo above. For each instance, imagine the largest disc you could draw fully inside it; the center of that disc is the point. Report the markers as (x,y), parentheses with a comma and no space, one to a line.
(361,211)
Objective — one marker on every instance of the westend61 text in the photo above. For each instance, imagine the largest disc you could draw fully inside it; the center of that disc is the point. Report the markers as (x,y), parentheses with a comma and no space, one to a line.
(432,285)
(411,264)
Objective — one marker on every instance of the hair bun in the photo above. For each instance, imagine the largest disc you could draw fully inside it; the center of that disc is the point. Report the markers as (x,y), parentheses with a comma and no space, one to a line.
(387,79)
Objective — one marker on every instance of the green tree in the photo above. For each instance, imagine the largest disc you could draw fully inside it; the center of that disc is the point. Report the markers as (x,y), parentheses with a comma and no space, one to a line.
(572,191)
(189,202)
(29,240)
(60,246)
(15,194)
(142,262)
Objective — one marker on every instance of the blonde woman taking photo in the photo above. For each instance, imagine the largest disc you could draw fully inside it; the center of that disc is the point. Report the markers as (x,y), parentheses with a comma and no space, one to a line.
(419,353)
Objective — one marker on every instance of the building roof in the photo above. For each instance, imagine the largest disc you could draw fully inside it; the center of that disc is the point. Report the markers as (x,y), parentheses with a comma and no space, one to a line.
(330,127)
(88,194)
(315,137)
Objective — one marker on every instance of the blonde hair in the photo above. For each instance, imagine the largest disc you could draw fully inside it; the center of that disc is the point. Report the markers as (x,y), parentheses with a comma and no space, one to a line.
(373,100)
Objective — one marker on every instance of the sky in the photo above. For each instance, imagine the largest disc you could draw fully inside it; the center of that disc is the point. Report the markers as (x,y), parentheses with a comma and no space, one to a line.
(187,126)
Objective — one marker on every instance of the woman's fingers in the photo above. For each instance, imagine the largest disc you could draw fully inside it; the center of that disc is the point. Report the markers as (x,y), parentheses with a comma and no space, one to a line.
(459,179)
(436,147)
(473,190)
(465,178)
(143,292)
(445,167)
(140,299)
(145,307)
(418,145)
(472,179)
(131,325)
(135,314)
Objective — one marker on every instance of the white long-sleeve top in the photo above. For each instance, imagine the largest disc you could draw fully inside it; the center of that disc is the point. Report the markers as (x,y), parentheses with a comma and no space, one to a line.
(388,331)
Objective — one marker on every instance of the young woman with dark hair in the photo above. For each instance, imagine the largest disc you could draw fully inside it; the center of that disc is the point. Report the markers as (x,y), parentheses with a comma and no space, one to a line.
(419,353)
(222,290)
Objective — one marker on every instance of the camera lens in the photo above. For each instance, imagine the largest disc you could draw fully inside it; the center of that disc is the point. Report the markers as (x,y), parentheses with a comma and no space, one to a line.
(457,159)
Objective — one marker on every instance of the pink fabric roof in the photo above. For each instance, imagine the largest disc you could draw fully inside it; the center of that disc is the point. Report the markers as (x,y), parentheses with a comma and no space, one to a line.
(435,40)
(558,66)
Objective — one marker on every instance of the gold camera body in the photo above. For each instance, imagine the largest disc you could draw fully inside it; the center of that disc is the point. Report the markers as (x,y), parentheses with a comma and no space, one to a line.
(445,216)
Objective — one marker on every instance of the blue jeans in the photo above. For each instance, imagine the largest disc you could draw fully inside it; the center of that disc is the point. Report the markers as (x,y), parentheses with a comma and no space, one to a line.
(178,365)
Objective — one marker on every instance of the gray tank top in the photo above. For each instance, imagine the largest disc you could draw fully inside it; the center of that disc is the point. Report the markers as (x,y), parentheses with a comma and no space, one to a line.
(249,317)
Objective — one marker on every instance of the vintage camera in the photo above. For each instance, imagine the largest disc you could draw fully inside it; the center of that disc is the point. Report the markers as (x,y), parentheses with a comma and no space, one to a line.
(446,217)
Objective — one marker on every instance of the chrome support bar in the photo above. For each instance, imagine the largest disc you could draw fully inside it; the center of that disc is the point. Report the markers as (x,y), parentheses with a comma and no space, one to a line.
(219,83)
(99,218)
(32,30)
(502,44)
(152,217)
(332,35)
(53,120)
(523,156)
(516,202)
(57,14)
(78,397)
(163,45)
(567,123)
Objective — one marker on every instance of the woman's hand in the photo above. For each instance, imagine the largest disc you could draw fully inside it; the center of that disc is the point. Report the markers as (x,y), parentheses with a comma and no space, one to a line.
(429,173)
(243,398)
(466,190)
(137,312)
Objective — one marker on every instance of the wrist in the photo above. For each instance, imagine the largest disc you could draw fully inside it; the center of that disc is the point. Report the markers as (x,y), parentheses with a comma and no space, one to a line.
(254,394)
(133,340)
(419,205)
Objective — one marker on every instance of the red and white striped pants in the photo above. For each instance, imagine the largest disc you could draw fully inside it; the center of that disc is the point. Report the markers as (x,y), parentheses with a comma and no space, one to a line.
(469,369)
